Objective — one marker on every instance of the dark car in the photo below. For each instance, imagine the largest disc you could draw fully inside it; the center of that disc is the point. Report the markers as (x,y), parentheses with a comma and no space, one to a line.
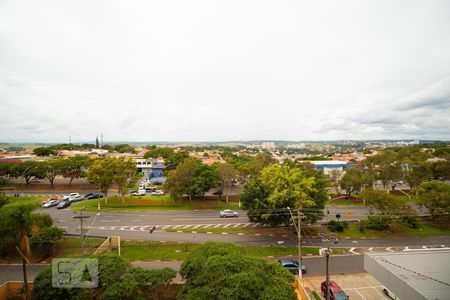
(64,204)
(93,196)
(291,265)
(336,293)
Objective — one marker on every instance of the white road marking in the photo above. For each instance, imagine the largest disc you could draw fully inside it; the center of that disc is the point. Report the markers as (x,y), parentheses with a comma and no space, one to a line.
(247,224)
(218,225)
(370,249)
(187,226)
(389,249)
(143,228)
(226,225)
(352,250)
(364,298)
(197,226)
(237,225)
(207,225)
(109,221)
(177,226)
(255,225)
(137,220)
(123,227)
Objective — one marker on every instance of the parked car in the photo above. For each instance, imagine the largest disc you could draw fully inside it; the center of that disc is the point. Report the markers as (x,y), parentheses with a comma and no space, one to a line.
(64,204)
(336,293)
(157,193)
(150,188)
(138,193)
(218,193)
(54,197)
(50,203)
(93,195)
(291,265)
(71,195)
(76,198)
(228,213)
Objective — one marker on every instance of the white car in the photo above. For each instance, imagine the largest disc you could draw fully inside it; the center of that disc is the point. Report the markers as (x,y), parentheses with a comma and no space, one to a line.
(50,203)
(228,213)
(138,193)
(76,198)
(157,193)
(71,195)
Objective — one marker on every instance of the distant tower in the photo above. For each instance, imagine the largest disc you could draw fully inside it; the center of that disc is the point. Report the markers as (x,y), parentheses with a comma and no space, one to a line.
(96,143)
(70,140)
(101,139)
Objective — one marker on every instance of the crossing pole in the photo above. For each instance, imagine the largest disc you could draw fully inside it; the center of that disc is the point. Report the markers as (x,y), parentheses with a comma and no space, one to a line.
(81,217)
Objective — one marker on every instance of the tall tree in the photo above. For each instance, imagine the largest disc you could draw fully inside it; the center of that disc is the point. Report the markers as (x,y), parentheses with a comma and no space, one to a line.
(44,151)
(354,180)
(384,166)
(15,225)
(75,167)
(102,174)
(52,168)
(179,180)
(124,170)
(435,196)
(275,189)
(205,178)
(27,170)
(226,174)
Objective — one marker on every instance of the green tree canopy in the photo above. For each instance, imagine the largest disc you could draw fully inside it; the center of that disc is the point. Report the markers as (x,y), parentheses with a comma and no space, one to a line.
(102,174)
(179,181)
(117,280)
(435,196)
(276,188)
(75,167)
(219,271)
(385,204)
(354,180)
(164,152)
(44,151)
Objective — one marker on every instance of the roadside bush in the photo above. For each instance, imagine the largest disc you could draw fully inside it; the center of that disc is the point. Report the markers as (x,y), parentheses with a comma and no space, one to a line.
(409,221)
(336,226)
(377,222)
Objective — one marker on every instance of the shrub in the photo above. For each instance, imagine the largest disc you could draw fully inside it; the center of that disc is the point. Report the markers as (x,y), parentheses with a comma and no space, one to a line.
(336,226)
(377,222)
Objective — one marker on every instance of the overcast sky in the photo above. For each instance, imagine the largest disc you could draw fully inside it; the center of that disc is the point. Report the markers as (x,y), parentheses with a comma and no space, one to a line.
(224,70)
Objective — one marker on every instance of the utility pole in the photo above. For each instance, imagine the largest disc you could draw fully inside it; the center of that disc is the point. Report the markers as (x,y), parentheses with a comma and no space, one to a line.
(299,242)
(299,238)
(81,217)
(327,255)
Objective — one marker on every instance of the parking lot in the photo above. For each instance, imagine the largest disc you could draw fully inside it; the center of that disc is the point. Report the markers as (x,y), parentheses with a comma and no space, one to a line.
(356,286)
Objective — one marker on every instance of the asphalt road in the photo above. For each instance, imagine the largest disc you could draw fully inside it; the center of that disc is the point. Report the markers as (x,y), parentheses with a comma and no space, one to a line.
(136,225)
(315,267)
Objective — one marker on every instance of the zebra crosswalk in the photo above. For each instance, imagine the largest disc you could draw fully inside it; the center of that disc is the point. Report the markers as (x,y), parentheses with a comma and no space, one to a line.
(173,226)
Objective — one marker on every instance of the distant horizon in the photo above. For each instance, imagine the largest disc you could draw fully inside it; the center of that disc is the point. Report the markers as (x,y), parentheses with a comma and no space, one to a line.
(251,141)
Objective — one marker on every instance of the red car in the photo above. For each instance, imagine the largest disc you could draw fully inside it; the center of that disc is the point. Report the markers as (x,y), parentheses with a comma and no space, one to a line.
(336,293)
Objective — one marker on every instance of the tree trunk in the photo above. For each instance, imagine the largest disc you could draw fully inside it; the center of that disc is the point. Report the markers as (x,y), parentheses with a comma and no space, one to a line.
(25,279)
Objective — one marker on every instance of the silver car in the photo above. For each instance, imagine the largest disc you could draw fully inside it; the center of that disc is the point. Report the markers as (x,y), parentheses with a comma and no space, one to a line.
(228,213)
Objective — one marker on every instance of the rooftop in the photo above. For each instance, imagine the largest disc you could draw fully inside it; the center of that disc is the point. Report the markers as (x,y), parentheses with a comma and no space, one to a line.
(422,274)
